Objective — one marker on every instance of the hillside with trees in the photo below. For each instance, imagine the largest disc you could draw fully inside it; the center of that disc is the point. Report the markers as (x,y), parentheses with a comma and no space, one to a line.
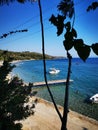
(23,55)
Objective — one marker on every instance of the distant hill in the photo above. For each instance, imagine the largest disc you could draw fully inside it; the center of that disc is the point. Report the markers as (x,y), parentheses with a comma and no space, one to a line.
(24,55)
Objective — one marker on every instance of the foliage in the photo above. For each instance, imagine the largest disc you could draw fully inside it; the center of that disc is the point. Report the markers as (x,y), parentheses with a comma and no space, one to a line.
(66,7)
(12,32)
(13,96)
(2,2)
(23,55)
(93,6)
(70,36)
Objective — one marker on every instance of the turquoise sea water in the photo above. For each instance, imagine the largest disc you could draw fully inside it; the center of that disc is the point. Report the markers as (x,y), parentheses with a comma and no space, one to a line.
(85,84)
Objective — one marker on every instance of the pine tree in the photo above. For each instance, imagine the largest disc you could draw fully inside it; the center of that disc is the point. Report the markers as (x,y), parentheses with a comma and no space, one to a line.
(13,95)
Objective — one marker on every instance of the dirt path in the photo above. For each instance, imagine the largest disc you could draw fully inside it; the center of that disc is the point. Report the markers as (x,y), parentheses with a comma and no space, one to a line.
(46,118)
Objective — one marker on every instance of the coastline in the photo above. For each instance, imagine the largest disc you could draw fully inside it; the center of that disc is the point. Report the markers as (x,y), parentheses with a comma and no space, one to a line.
(16,61)
(1,62)
(46,118)
(10,76)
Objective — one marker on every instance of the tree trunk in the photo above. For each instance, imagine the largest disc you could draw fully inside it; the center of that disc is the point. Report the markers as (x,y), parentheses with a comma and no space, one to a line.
(65,113)
(44,63)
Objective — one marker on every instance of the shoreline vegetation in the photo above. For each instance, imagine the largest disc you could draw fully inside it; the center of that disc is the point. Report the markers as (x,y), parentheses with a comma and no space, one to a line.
(26,55)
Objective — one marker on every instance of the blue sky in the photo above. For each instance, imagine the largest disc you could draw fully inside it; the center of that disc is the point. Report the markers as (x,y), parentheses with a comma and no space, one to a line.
(26,16)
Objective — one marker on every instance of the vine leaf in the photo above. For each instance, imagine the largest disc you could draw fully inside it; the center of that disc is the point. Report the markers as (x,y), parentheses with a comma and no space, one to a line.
(58,22)
(12,32)
(82,49)
(69,37)
(68,26)
(53,20)
(67,44)
(21,1)
(71,32)
(95,48)
(60,25)
(93,6)
(74,33)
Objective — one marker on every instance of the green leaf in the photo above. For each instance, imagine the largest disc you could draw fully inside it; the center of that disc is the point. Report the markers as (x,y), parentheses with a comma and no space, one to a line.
(68,26)
(82,49)
(53,20)
(74,33)
(21,1)
(67,44)
(78,43)
(60,24)
(95,48)
(93,6)
(68,36)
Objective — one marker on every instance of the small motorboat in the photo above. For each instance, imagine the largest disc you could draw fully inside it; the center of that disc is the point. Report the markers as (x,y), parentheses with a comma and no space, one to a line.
(54,71)
(94,98)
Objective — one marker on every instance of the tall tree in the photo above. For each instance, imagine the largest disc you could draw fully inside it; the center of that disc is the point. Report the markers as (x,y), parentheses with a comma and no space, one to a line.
(13,96)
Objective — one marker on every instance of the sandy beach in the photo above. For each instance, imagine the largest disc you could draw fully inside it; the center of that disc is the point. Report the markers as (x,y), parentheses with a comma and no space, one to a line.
(46,118)
(1,62)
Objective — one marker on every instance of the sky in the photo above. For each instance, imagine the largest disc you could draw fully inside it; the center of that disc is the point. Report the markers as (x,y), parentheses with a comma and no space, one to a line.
(16,16)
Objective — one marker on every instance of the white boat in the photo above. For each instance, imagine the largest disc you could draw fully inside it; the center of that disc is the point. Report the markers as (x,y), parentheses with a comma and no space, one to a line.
(54,71)
(94,99)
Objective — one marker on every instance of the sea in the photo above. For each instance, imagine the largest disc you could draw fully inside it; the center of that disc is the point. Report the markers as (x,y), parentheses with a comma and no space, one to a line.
(84,85)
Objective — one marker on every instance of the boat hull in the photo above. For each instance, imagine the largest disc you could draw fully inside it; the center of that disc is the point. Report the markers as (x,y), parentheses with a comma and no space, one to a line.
(94,99)
(54,72)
